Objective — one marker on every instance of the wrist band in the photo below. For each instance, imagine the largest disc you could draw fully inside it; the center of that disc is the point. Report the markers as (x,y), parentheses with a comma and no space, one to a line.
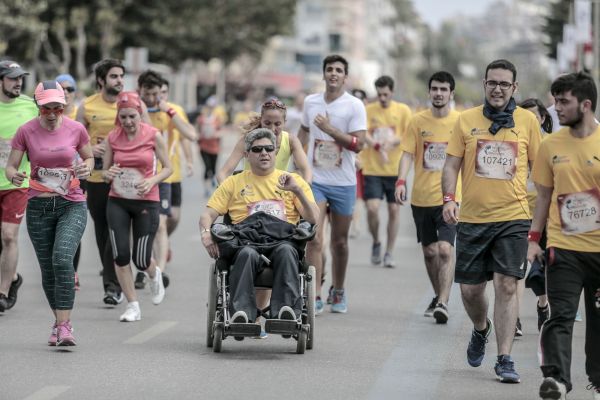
(533,236)
(171,113)
(354,144)
(377,146)
(448,197)
(400,182)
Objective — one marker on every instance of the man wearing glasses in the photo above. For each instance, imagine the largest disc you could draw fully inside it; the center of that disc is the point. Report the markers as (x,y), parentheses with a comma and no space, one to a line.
(261,189)
(491,146)
(15,110)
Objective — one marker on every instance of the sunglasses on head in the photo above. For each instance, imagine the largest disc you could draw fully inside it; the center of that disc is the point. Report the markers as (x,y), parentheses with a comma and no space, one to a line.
(69,89)
(269,148)
(274,103)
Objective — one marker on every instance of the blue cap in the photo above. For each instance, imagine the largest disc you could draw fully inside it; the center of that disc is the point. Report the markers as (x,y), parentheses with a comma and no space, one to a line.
(66,78)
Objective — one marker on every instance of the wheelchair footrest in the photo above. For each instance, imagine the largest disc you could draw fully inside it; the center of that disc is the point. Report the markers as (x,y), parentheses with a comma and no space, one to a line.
(281,326)
(244,330)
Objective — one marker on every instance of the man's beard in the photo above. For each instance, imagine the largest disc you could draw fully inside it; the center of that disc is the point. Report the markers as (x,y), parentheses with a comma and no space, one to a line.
(575,121)
(8,94)
(112,91)
(438,106)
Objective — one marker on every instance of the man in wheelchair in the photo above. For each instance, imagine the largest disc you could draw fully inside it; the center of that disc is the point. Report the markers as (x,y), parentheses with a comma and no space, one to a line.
(252,199)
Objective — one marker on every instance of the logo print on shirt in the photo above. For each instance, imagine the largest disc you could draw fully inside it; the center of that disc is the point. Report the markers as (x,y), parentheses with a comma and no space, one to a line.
(556,159)
(426,133)
(477,132)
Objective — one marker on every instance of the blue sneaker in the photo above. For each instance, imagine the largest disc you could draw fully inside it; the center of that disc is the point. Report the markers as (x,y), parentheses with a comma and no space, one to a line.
(476,349)
(505,370)
(319,306)
(339,302)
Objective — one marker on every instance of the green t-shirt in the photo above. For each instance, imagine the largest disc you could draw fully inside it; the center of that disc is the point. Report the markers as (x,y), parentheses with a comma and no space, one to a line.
(12,116)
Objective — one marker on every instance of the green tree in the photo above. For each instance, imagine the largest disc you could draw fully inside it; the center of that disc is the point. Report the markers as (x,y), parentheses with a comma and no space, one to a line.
(553,27)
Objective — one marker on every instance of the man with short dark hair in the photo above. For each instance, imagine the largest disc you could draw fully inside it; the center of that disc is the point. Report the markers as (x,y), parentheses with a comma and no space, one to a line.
(387,122)
(333,128)
(15,110)
(491,146)
(567,178)
(425,142)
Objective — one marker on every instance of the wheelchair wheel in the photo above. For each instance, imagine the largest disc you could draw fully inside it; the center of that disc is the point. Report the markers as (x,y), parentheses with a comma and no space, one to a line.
(217,339)
(310,306)
(211,304)
(302,339)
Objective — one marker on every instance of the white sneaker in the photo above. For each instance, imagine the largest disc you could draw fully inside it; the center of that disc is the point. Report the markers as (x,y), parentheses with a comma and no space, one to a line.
(551,389)
(286,312)
(240,317)
(132,312)
(157,287)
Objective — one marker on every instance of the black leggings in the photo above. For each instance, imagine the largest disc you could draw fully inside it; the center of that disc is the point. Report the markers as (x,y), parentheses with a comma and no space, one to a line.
(210,164)
(142,215)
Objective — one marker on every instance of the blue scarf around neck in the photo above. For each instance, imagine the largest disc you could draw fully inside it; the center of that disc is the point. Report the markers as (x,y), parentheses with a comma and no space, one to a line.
(500,119)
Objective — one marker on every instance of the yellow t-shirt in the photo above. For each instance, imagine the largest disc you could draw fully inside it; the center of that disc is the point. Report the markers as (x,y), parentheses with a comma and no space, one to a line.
(73,113)
(494,170)
(571,166)
(385,124)
(427,139)
(100,118)
(176,150)
(531,190)
(161,121)
(245,193)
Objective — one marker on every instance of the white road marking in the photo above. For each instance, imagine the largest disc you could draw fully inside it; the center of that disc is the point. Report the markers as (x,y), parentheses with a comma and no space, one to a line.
(150,333)
(48,393)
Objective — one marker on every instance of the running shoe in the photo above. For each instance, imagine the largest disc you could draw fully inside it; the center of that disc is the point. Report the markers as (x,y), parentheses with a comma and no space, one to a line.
(12,292)
(52,339)
(64,334)
(505,370)
(140,280)
(595,390)
(263,335)
(376,254)
(431,307)
(240,317)
(132,312)
(440,313)
(319,306)
(286,312)
(3,302)
(551,389)
(476,349)
(518,329)
(113,297)
(330,295)
(578,317)
(166,280)
(388,261)
(157,287)
(339,304)
(543,315)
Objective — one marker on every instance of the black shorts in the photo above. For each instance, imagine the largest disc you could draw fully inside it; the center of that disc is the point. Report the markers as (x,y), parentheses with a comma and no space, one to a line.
(164,190)
(431,226)
(482,249)
(378,186)
(176,194)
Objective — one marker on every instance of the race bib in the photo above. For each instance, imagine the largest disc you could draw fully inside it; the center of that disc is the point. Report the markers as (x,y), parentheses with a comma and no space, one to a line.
(579,212)
(327,154)
(57,180)
(496,160)
(124,184)
(434,155)
(5,149)
(383,134)
(275,208)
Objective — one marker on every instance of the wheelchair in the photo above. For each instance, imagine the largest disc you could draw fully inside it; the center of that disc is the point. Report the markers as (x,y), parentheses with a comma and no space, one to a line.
(218,321)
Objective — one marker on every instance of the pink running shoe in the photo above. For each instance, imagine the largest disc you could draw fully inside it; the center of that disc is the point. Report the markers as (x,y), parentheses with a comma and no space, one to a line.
(65,334)
(52,339)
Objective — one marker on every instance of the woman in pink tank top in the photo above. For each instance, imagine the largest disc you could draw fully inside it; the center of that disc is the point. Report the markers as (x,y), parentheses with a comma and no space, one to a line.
(130,165)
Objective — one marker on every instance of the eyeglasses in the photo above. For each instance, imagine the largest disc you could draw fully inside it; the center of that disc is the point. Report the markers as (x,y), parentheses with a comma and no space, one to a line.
(48,111)
(274,103)
(269,148)
(504,85)
(69,89)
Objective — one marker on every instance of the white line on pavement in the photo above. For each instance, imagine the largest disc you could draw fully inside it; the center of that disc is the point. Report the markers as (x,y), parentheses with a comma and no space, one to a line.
(48,393)
(150,333)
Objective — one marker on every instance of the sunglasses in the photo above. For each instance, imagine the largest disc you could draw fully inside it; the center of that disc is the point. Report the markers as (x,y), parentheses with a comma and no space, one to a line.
(69,89)
(48,111)
(274,103)
(269,148)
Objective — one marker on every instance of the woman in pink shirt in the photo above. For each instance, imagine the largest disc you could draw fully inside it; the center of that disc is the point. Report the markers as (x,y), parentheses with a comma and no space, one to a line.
(60,154)
(130,166)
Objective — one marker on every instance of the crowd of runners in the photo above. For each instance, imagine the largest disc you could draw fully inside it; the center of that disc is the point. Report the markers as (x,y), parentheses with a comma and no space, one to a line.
(501,192)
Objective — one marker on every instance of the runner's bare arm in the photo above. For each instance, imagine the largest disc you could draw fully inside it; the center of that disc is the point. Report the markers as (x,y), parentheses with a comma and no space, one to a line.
(186,146)
(207,218)
(109,171)
(11,171)
(185,128)
(303,134)
(84,169)
(403,169)
(345,140)
(300,159)
(540,216)
(232,161)
(449,180)
(161,153)
(80,116)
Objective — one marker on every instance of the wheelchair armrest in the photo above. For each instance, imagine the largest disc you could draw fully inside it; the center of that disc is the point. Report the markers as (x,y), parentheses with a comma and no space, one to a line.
(305,231)
(221,232)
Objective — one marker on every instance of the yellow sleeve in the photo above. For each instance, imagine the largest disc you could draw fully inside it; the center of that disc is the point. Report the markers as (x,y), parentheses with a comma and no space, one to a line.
(221,198)
(535,139)
(456,145)
(409,144)
(542,169)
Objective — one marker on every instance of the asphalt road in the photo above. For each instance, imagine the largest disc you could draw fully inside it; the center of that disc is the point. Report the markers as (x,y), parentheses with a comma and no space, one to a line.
(383,348)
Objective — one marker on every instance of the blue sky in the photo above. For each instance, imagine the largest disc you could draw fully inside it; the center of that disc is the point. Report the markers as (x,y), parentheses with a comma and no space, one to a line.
(435,11)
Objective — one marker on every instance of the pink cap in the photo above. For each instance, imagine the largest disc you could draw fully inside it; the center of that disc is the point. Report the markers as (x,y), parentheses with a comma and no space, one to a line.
(49,92)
